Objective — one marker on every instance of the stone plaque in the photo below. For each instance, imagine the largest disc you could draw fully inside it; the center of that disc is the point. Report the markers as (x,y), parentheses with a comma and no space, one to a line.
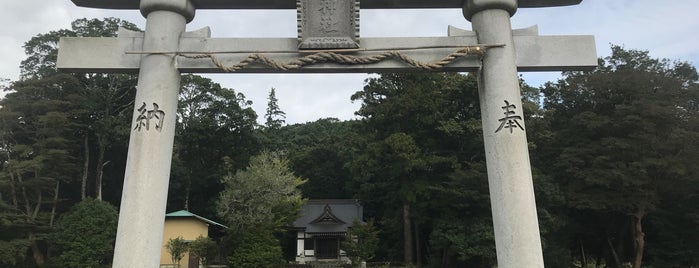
(328,24)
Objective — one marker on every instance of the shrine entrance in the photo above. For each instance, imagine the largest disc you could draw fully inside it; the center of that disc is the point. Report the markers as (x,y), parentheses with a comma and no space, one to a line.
(327,247)
(328,42)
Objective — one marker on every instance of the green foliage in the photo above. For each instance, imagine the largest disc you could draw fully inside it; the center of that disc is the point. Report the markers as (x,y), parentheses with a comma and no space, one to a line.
(203,248)
(463,232)
(49,124)
(42,50)
(274,115)
(37,157)
(619,149)
(213,123)
(101,101)
(321,151)
(418,129)
(257,203)
(84,236)
(362,242)
(264,194)
(13,252)
(177,247)
(256,248)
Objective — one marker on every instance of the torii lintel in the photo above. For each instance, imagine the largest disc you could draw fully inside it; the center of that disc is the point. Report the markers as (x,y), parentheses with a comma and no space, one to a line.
(123,53)
(291,4)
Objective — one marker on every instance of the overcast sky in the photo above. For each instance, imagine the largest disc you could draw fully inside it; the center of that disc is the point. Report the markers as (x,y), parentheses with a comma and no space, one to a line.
(668,29)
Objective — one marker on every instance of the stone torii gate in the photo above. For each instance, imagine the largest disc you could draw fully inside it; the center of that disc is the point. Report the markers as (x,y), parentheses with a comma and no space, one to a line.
(328,42)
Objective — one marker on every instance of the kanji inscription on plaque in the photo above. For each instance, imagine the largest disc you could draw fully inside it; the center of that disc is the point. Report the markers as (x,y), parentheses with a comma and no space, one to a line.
(328,24)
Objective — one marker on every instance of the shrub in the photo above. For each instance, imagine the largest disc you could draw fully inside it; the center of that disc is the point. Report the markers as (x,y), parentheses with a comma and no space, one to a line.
(256,249)
(177,248)
(203,248)
(84,236)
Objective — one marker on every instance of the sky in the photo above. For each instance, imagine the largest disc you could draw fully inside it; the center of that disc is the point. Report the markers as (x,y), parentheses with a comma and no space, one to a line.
(667,29)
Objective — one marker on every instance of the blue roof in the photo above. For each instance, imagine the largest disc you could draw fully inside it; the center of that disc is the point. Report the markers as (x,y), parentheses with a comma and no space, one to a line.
(184,213)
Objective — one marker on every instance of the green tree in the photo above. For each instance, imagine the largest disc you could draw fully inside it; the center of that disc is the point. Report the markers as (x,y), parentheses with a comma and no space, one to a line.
(265,194)
(106,117)
(419,127)
(256,204)
(213,123)
(463,231)
(106,101)
(321,151)
(203,248)
(362,242)
(38,156)
(42,50)
(274,115)
(620,149)
(49,124)
(270,134)
(256,248)
(84,236)
(177,247)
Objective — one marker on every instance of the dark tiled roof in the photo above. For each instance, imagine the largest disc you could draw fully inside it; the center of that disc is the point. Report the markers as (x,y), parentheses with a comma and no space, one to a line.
(329,215)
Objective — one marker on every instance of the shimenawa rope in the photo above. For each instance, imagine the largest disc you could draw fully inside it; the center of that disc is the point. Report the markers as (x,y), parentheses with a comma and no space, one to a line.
(331,57)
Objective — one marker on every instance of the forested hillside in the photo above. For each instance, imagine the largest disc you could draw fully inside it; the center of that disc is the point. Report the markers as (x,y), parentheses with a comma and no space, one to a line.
(615,155)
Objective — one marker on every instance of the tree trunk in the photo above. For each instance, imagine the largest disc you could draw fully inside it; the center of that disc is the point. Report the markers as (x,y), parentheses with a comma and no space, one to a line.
(100,167)
(407,236)
(24,195)
(13,190)
(86,166)
(639,238)
(187,191)
(55,202)
(37,208)
(36,251)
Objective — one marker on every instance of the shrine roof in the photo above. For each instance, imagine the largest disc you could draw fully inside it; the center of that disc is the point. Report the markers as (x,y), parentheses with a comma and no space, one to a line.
(291,4)
(328,215)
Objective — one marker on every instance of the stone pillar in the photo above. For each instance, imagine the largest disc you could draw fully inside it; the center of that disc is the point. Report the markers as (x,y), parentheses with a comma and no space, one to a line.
(517,239)
(144,197)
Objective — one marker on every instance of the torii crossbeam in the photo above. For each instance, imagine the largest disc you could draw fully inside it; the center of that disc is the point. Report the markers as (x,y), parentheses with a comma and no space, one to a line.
(165,50)
(123,54)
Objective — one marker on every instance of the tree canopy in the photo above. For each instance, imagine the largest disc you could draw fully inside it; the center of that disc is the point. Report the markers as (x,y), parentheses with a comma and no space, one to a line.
(257,203)
(264,195)
(620,148)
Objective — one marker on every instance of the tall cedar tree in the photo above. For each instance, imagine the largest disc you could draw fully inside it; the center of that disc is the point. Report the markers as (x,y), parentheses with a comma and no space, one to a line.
(419,129)
(274,116)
